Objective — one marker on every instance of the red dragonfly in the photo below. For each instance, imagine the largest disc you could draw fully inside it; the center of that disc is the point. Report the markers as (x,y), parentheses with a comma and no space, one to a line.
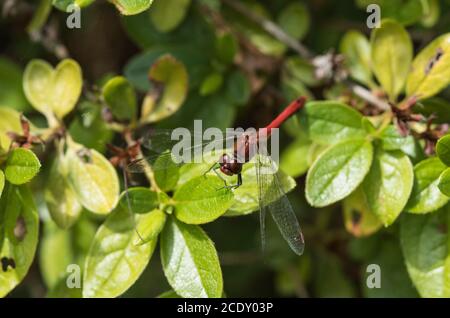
(245,147)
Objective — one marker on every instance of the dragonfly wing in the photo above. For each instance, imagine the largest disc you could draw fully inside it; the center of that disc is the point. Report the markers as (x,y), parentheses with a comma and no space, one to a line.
(192,147)
(273,199)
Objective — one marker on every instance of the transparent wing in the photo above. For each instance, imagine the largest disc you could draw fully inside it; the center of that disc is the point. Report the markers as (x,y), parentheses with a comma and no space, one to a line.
(183,146)
(273,199)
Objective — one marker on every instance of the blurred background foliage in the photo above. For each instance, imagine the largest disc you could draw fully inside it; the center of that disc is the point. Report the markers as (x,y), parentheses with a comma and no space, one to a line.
(239,75)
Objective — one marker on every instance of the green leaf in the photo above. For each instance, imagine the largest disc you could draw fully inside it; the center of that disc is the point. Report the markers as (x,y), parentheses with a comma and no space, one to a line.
(63,4)
(18,235)
(359,220)
(115,262)
(443,149)
(391,138)
(439,107)
(246,196)
(11,92)
(331,122)
(166,173)
(426,196)
(61,200)
(131,7)
(201,200)
(444,182)
(294,159)
(120,97)
(55,254)
(150,227)
(89,128)
(294,19)
(296,69)
(190,261)
(388,185)
(22,166)
(53,90)
(166,15)
(142,200)
(392,53)
(431,69)
(226,48)
(169,294)
(424,240)
(255,34)
(211,84)
(338,172)
(2,182)
(172,75)
(404,11)
(93,179)
(237,88)
(356,48)
(431,13)
(9,122)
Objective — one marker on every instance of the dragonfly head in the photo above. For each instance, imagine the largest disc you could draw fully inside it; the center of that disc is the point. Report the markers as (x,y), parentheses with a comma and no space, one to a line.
(229,166)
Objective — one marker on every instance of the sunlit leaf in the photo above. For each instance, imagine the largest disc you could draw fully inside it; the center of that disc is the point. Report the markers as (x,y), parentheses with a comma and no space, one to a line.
(330,122)
(202,200)
(150,227)
(93,179)
(426,196)
(172,76)
(392,53)
(444,182)
(52,90)
(443,149)
(388,185)
(114,261)
(131,7)
(424,240)
(61,200)
(166,173)
(22,165)
(55,253)
(18,235)
(166,15)
(430,69)
(190,261)
(356,48)
(9,122)
(358,218)
(120,97)
(64,4)
(338,172)
(139,200)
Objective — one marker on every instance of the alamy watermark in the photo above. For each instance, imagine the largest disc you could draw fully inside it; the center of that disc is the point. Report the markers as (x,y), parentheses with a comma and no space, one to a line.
(73,20)
(374,18)
(373,280)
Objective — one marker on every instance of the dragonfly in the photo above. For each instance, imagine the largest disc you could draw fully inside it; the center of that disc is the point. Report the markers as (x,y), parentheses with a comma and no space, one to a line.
(244,147)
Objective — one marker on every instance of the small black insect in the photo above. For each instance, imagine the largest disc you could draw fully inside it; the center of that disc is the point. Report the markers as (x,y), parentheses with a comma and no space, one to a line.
(7,262)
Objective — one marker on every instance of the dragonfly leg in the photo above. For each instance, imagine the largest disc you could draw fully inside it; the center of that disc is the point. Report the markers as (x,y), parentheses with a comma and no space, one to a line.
(234,186)
(213,167)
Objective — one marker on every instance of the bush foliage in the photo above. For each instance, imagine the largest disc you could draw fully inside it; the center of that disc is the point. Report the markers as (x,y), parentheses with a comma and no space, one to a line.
(366,162)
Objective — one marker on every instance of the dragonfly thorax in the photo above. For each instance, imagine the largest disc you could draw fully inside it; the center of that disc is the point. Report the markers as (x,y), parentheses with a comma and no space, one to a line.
(229,165)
